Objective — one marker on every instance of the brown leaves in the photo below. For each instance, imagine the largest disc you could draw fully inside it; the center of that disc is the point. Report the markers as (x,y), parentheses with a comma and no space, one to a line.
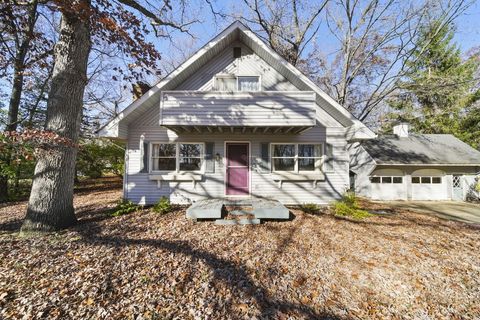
(163,266)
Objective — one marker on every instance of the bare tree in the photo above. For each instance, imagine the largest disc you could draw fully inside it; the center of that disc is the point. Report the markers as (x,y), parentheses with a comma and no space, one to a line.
(372,42)
(85,22)
(375,41)
(287,25)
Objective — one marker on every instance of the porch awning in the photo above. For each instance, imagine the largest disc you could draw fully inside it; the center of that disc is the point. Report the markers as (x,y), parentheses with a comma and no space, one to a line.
(266,112)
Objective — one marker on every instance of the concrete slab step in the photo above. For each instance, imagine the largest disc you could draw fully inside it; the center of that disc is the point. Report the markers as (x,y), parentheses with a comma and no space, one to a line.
(235,222)
(210,208)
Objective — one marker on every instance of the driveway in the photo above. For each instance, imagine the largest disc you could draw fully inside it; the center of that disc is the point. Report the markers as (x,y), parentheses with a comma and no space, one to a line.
(451,210)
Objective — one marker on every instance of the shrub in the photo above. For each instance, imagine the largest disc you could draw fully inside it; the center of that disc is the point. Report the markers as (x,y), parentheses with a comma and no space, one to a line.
(344,210)
(163,206)
(125,207)
(348,207)
(310,208)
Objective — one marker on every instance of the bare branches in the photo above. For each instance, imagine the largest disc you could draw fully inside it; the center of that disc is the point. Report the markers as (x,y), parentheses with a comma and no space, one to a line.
(287,28)
(156,17)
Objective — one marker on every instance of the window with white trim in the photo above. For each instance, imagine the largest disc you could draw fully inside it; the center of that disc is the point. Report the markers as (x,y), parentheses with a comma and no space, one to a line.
(175,157)
(228,82)
(164,157)
(283,157)
(191,156)
(248,83)
(302,157)
(386,179)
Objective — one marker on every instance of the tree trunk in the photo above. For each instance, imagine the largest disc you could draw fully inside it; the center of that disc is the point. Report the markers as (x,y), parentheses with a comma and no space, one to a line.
(51,200)
(3,189)
(17,87)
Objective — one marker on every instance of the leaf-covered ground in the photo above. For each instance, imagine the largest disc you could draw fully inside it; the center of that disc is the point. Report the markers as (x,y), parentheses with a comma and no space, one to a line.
(148,266)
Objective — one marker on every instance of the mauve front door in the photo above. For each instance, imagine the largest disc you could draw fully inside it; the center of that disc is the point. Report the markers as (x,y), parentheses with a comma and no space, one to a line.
(237,183)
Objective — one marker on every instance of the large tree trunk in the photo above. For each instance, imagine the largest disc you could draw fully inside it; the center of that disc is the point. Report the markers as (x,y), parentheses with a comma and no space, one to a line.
(51,200)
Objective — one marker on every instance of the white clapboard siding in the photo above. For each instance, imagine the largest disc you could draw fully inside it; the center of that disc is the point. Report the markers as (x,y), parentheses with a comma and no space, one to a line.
(263,108)
(142,190)
(223,62)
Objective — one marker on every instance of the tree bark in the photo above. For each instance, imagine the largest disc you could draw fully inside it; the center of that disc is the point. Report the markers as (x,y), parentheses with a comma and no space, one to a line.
(50,205)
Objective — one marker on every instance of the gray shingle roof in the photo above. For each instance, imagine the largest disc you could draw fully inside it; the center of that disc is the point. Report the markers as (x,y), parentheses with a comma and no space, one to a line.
(421,149)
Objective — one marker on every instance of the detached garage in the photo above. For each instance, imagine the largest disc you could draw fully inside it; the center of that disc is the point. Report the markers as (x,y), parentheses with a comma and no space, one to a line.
(407,166)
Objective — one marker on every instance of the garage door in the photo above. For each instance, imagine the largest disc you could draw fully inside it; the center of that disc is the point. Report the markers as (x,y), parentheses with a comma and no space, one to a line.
(388,184)
(429,184)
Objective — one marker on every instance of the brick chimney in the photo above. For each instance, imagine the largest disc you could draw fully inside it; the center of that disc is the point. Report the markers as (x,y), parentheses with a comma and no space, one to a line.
(139,89)
(401,130)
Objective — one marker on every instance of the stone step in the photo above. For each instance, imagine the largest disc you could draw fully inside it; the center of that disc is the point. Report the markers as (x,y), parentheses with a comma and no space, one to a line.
(234,222)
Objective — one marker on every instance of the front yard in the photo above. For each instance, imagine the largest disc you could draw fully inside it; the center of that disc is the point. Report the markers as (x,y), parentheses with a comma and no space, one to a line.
(150,266)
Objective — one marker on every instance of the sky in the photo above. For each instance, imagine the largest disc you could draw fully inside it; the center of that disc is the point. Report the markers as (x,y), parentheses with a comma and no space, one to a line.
(467,35)
(173,53)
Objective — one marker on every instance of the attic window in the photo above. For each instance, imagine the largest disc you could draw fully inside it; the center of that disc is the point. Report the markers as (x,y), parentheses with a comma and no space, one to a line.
(237,52)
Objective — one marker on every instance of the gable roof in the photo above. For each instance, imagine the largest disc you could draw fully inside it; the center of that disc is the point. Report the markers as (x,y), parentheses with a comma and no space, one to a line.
(419,149)
(118,127)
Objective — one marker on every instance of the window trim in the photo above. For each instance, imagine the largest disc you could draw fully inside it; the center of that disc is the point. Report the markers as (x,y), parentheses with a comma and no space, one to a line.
(296,157)
(391,179)
(170,157)
(430,179)
(236,76)
(177,157)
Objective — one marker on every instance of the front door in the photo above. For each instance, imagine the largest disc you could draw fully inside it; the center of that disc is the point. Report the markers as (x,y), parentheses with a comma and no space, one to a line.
(457,188)
(237,174)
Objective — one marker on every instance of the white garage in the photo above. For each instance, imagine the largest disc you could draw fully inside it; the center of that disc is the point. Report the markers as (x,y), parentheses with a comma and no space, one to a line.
(429,184)
(388,184)
(407,166)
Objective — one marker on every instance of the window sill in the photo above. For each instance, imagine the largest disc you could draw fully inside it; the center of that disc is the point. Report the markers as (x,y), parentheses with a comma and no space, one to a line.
(177,176)
(298,176)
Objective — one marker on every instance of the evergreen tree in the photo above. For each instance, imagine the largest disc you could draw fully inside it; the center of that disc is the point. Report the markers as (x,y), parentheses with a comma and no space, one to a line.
(439,93)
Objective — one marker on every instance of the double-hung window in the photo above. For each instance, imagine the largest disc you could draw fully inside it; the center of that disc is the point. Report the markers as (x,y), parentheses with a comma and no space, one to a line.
(297,157)
(191,156)
(175,157)
(164,157)
(283,158)
(310,157)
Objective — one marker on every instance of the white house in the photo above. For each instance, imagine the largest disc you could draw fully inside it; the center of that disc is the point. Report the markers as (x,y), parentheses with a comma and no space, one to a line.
(406,166)
(236,121)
